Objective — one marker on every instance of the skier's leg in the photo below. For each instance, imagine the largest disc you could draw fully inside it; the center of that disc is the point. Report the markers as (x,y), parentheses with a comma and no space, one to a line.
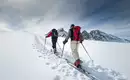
(54,45)
(74,49)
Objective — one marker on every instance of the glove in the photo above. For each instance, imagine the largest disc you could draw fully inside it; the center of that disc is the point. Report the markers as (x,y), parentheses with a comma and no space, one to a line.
(65,41)
(46,36)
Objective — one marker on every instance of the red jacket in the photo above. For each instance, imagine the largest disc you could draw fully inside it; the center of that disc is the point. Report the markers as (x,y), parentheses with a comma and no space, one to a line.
(49,34)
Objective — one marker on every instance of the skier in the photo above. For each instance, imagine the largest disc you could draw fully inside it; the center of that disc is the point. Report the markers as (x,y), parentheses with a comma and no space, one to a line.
(76,38)
(54,36)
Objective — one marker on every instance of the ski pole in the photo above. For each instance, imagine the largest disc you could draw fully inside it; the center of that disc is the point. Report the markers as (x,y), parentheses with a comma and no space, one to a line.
(62,50)
(59,46)
(86,52)
(44,43)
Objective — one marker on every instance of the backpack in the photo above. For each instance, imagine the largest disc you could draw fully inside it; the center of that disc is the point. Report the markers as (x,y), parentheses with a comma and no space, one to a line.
(76,33)
(54,33)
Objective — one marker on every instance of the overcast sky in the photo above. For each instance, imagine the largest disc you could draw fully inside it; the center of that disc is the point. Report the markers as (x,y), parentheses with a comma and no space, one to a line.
(111,16)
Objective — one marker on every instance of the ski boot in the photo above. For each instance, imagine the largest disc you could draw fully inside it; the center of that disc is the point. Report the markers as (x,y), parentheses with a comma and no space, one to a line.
(77,63)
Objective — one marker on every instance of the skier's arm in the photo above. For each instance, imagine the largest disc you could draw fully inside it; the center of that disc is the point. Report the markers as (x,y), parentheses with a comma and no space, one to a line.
(49,34)
(81,37)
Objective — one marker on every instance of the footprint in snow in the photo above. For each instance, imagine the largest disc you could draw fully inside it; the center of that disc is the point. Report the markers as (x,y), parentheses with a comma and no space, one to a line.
(54,67)
(47,63)
(57,77)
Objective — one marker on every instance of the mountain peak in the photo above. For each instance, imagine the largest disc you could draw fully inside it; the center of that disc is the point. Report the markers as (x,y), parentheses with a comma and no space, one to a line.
(62,32)
(96,35)
(102,36)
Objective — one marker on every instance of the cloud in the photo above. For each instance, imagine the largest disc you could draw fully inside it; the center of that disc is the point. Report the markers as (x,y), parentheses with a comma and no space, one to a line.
(15,12)
(20,14)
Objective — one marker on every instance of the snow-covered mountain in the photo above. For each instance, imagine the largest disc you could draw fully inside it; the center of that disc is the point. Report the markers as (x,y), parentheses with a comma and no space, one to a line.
(96,35)
(102,36)
(62,32)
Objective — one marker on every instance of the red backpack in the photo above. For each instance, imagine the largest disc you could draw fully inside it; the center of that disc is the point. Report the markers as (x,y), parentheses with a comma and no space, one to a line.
(77,33)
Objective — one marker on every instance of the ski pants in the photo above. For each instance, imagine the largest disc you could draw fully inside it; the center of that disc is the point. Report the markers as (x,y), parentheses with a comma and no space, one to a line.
(74,49)
(54,41)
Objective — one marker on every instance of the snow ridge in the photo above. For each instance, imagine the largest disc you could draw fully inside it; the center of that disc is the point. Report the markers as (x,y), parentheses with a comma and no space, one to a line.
(102,36)
(96,35)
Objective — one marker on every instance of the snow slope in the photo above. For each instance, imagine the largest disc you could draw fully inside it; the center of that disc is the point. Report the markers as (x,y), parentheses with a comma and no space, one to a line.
(102,73)
(18,61)
(23,57)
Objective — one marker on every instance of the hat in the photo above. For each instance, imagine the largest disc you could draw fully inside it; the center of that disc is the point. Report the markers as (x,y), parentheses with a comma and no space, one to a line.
(72,25)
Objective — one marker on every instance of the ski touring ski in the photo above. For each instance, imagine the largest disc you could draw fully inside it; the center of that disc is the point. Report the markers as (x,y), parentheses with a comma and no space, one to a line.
(82,71)
(79,69)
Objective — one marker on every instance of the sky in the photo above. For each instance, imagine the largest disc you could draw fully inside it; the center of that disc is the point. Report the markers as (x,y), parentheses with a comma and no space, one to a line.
(111,16)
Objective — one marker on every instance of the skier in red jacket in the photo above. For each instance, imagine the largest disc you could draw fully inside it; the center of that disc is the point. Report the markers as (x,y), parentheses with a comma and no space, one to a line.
(54,36)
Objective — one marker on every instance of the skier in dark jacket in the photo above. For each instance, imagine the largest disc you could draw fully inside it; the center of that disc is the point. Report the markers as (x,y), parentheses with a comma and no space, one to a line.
(54,36)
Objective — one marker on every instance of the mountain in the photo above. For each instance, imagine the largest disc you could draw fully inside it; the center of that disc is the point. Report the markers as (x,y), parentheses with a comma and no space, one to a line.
(96,35)
(102,36)
(62,32)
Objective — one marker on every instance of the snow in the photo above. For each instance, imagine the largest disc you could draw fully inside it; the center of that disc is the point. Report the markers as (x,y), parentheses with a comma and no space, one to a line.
(24,57)
(18,61)
(110,55)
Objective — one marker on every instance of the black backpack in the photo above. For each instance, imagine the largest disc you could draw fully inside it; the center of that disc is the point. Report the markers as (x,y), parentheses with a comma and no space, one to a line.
(54,33)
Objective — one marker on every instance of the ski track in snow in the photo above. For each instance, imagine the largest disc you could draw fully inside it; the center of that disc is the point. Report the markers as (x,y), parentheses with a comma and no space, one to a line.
(56,63)
(62,67)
